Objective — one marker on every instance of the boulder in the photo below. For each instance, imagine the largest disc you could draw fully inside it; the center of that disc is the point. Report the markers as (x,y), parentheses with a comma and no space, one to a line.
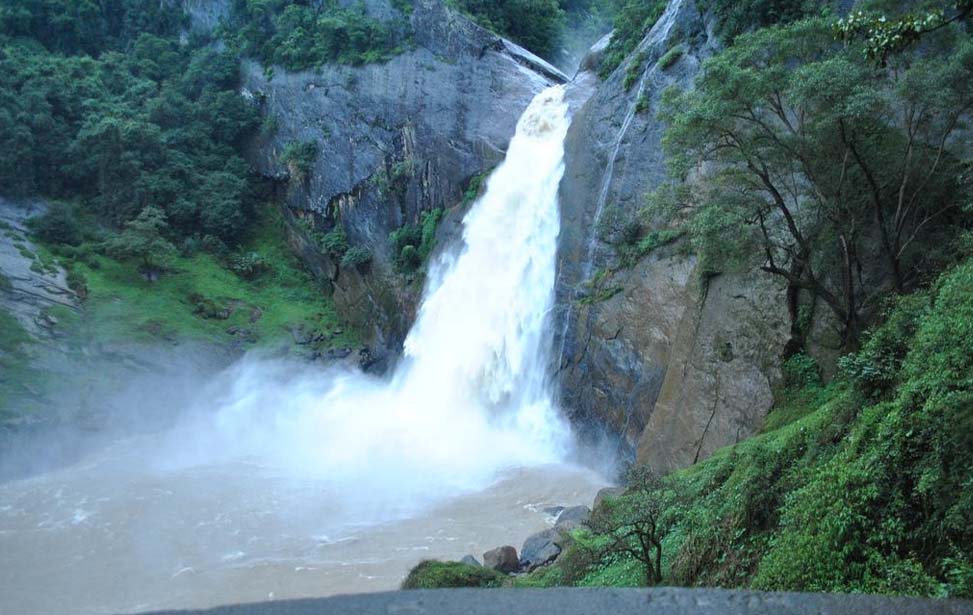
(469,560)
(607,492)
(572,518)
(502,559)
(541,548)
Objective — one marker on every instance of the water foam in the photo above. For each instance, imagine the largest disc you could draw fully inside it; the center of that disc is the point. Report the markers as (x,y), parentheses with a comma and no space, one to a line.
(471,396)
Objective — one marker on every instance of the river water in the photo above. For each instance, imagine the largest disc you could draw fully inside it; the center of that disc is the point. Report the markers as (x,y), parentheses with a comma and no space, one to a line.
(279,481)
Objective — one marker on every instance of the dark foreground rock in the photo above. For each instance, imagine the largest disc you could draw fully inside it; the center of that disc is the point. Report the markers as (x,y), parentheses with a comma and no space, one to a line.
(503,559)
(567,601)
(539,549)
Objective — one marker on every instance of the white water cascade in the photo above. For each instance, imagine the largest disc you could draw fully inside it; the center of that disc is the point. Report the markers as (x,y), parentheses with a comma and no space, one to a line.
(471,395)
(283,481)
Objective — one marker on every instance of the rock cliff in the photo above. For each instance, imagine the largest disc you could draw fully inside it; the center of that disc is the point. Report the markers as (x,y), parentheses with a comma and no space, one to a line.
(393,139)
(666,367)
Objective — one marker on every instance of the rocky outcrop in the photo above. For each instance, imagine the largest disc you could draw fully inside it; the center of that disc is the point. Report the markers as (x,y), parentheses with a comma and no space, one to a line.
(393,139)
(666,367)
(29,287)
(572,518)
(540,549)
(502,559)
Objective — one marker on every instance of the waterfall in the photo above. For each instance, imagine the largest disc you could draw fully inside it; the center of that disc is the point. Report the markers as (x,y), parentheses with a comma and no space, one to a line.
(471,396)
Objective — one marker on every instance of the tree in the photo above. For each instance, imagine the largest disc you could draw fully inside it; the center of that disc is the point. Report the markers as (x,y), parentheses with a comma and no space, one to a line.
(631,522)
(143,240)
(798,152)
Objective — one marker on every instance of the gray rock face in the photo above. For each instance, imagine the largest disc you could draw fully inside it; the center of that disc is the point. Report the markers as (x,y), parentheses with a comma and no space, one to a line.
(539,549)
(28,289)
(394,139)
(503,559)
(572,518)
(648,357)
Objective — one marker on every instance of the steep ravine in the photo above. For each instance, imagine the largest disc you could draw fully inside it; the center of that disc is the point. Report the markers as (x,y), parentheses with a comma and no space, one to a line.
(649,360)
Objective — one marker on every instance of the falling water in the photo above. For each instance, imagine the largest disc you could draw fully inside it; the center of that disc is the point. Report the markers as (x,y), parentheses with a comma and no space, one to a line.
(283,481)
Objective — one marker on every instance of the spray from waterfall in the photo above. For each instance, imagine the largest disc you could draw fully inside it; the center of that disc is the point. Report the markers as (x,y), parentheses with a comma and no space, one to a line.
(471,396)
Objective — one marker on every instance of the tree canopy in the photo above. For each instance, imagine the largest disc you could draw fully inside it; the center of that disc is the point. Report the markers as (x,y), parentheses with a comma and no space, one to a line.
(801,154)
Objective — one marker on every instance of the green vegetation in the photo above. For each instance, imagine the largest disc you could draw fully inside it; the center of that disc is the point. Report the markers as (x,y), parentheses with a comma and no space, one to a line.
(107,107)
(671,57)
(143,240)
(814,158)
(634,71)
(861,485)
(431,574)
(261,292)
(412,244)
(535,24)
(301,36)
(734,17)
(299,157)
(632,20)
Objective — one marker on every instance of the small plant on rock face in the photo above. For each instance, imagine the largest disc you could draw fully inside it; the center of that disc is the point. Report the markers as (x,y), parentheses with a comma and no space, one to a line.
(356,257)
(671,57)
(299,156)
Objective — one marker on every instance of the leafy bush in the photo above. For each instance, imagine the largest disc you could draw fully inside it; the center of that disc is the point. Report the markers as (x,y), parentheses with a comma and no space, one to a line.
(412,244)
(78,283)
(430,574)
(335,242)
(634,71)
(143,239)
(249,265)
(59,225)
(356,257)
(800,371)
(671,57)
(299,156)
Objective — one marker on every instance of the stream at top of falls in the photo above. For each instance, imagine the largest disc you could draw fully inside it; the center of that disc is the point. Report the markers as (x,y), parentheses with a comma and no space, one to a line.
(283,481)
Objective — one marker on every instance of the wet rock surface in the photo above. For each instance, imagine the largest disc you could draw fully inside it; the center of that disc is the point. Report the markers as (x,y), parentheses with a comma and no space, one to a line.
(661,366)
(502,559)
(540,549)
(28,287)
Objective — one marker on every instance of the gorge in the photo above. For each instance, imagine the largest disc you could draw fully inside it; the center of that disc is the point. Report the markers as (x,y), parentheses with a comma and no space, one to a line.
(294,295)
